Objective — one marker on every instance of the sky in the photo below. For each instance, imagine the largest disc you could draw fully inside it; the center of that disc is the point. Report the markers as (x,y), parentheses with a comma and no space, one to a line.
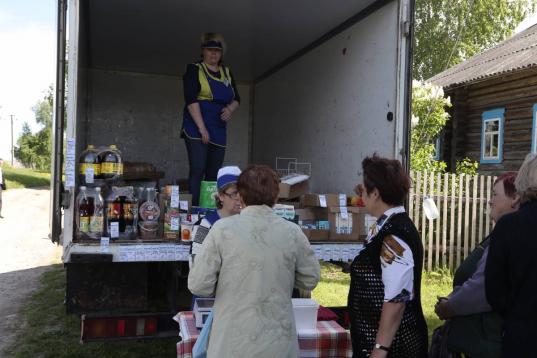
(27,61)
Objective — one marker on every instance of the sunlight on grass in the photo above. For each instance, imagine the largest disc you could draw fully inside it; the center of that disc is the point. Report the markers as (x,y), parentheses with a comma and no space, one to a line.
(24,178)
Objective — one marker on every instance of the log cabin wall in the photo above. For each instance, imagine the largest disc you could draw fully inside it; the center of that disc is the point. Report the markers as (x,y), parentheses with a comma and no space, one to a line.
(517,93)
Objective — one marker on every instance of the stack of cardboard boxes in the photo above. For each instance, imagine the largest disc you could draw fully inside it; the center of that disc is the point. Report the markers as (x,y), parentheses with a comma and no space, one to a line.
(325,217)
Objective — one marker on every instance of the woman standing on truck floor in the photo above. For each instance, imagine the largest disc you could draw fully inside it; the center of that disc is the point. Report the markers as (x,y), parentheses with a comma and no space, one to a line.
(251,262)
(211,97)
(384,296)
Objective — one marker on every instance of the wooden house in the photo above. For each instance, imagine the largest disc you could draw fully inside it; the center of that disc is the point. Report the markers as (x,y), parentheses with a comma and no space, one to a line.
(494,106)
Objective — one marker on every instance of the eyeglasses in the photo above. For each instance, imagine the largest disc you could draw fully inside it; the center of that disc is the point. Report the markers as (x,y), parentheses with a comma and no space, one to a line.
(232,195)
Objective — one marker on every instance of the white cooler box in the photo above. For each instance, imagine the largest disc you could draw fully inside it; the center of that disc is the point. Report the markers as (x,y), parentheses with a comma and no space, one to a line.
(305,311)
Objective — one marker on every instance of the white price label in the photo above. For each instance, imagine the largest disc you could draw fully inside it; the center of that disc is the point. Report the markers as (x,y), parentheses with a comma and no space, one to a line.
(174,200)
(344,213)
(70,162)
(105,241)
(90,175)
(183,205)
(342,200)
(174,223)
(114,230)
(322,201)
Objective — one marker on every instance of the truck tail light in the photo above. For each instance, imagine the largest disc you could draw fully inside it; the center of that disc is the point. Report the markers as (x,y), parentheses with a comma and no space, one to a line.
(98,328)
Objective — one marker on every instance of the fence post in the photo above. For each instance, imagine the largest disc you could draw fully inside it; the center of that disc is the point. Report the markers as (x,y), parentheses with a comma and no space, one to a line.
(466,214)
(481,200)
(445,222)
(487,217)
(438,232)
(459,219)
(474,211)
(431,227)
(424,218)
(452,222)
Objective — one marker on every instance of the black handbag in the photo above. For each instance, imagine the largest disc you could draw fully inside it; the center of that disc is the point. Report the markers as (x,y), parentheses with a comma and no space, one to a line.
(439,346)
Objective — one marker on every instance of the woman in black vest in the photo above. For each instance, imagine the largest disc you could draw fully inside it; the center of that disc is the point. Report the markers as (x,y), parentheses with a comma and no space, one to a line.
(474,329)
(384,297)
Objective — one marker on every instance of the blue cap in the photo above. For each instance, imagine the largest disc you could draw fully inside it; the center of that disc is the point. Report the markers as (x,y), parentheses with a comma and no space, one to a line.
(212,44)
(227,175)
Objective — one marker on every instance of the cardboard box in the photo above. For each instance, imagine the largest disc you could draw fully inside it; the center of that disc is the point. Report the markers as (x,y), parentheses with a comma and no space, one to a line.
(324,200)
(316,235)
(288,191)
(311,216)
(352,228)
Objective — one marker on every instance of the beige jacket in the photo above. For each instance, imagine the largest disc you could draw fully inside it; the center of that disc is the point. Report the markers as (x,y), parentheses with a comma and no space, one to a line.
(253,261)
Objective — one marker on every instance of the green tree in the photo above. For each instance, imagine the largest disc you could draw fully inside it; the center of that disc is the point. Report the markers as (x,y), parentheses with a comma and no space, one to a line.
(461,28)
(429,117)
(34,150)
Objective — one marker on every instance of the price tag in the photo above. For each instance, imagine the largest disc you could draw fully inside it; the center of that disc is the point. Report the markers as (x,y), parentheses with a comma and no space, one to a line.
(342,200)
(174,223)
(344,212)
(322,201)
(114,230)
(174,200)
(183,205)
(90,175)
(70,160)
(105,242)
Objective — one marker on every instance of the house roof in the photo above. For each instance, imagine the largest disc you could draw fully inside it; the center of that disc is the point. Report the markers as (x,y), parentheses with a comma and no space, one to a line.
(516,53)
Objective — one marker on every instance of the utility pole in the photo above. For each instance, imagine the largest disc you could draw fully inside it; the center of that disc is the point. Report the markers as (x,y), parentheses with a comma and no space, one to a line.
(12,150)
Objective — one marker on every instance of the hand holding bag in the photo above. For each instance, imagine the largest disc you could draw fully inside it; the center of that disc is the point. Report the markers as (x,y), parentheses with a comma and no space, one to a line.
(200,347)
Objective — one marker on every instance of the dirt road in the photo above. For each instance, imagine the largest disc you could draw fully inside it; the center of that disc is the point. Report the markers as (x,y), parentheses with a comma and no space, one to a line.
(25,252)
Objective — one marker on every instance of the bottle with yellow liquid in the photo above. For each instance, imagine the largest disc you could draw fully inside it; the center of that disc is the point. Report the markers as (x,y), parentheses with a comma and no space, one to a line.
(90,166)
(111,163)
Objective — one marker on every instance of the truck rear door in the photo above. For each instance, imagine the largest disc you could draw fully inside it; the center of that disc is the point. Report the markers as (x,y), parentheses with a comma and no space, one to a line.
(56,184)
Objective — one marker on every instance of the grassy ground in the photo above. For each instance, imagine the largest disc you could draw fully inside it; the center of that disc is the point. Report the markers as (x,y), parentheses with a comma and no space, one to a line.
(24,178)
(49,332)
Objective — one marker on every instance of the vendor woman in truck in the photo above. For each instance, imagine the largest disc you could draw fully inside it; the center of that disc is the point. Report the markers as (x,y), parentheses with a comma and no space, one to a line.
(211,97)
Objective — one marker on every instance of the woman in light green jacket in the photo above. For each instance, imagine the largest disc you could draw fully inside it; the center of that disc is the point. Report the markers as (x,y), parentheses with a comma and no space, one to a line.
(251,262)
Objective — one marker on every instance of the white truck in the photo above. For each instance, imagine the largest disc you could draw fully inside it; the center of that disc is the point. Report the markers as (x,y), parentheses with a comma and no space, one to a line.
(327,82)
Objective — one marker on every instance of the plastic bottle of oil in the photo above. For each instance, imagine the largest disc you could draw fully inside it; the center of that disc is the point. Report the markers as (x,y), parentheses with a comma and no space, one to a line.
(111,163)
(83,213)
(90,166)
(96,220)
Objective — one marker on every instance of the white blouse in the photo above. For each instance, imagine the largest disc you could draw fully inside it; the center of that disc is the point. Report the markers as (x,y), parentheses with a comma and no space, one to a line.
(397,263)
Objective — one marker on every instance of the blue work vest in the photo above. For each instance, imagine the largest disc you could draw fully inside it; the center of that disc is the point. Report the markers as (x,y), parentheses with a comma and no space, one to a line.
(215,94)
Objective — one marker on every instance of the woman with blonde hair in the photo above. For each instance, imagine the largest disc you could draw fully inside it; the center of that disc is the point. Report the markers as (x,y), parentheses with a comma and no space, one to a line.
(511,271)
(211,97)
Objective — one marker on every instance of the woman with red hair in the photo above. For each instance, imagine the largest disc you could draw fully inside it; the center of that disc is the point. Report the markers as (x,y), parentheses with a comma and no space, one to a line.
(474,328)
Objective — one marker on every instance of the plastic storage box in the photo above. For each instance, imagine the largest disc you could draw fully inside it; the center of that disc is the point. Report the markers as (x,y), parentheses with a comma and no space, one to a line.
(305,311)
(202,308)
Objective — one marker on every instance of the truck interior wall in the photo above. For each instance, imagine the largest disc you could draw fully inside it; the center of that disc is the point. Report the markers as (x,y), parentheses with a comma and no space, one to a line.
(330,106)
(142,115)
(82,47)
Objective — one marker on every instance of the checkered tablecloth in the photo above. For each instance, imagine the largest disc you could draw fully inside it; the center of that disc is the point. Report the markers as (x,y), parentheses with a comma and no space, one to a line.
(329,340)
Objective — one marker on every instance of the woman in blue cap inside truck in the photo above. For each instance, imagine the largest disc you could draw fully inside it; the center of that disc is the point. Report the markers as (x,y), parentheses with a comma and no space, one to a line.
(211,97)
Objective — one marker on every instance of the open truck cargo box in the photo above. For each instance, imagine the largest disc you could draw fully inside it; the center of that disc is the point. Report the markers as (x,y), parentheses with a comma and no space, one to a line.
(321,81)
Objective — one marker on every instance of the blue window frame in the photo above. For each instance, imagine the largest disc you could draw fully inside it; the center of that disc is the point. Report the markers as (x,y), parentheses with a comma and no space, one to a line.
(534,130)
(492,136)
